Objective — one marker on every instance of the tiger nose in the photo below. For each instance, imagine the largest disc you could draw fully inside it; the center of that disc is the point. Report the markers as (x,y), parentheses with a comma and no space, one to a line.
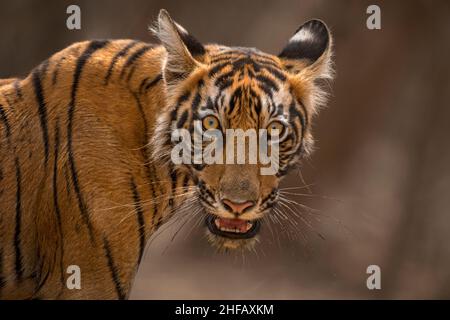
(237,207)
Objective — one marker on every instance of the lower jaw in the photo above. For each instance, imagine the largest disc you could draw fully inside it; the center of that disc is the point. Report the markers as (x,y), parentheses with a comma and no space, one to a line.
(251,233)
(223,244)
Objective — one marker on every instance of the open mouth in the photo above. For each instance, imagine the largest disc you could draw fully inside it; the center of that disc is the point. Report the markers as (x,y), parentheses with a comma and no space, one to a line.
(233,228)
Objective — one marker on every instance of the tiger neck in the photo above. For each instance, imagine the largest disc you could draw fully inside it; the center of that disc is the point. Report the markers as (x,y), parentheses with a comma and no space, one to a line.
(169,187)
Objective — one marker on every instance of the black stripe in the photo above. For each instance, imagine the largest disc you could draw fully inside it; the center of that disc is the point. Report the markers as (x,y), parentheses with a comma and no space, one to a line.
(131,59)
(173,178)
(225,57)
(5,121)
(140,218)
(266,62)
(18,89)
(130,74)
(277,73)
(240,63)
(267,90)
(186,181)
(18,220)
(153,181)
(182,120)
(42,107)
(224,78)
(116,57)
(197,97)
(91,48)
(41,279)
(144,118)
(143,82)
(294,112)
(56,202)
(151,83)
(154,82)
(113,270)
(267,81)
(218,68)
(234,98)
(145,152)
(56,70)
(174,112)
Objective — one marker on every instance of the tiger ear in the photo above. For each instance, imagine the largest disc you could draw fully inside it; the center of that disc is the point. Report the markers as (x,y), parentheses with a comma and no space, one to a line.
(184,52)
(309,51)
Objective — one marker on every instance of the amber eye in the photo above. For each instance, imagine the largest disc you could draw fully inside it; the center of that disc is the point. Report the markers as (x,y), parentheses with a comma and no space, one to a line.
(276,125)
(210,122)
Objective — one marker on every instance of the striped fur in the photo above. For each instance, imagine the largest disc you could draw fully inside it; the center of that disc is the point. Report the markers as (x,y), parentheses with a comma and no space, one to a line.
(85,177)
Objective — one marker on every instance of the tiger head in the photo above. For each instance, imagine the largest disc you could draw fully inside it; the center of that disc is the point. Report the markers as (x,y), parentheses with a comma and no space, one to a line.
(217,88)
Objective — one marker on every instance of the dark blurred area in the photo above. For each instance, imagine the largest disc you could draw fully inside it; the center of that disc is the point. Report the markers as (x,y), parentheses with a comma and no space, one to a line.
(380,174)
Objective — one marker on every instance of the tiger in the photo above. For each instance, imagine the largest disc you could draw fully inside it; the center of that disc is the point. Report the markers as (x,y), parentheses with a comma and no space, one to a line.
(86,176)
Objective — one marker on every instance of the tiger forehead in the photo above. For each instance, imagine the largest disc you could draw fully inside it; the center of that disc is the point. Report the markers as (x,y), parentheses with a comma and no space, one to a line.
(237,53)
(231,67)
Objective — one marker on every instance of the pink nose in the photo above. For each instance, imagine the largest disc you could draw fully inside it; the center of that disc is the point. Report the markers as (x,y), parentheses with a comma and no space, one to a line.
(237,207)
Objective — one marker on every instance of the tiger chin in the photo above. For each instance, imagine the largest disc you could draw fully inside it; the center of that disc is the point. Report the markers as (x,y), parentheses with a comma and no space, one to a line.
(86,141)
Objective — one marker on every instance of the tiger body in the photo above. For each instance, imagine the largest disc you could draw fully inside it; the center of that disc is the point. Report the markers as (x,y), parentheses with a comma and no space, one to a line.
(84,174)
(65,162)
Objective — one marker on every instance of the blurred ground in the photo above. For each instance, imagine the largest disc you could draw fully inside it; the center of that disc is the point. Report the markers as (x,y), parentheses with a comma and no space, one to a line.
(380,171)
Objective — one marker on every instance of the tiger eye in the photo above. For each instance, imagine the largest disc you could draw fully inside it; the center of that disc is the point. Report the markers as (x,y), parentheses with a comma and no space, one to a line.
(276,125)
(210,122)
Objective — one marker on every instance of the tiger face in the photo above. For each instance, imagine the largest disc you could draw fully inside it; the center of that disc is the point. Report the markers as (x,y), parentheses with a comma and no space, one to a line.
(216,88)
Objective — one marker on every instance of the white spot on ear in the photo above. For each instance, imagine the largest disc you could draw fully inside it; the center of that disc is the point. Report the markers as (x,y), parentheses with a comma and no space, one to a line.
(302,35)
(180,28)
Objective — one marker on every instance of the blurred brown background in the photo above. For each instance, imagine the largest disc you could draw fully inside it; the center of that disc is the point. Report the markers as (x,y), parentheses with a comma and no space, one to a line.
(380,172)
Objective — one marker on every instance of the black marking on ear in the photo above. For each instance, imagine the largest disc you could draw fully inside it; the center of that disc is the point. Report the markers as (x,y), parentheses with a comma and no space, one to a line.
(192,44)
(309,42)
